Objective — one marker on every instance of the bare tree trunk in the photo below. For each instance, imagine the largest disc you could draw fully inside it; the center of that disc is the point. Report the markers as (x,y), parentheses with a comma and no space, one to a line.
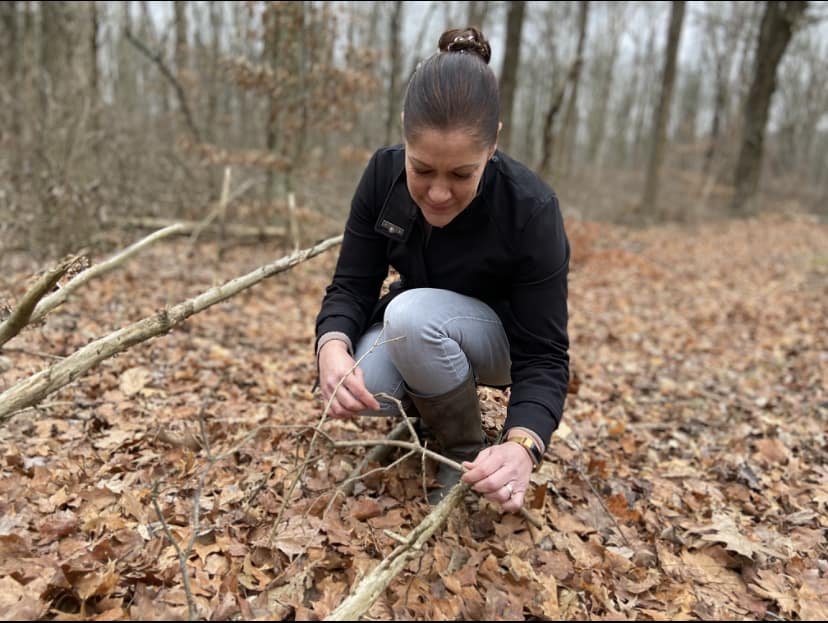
(271,20)
(11,78)
(719,101)
(392,112)
(570,121)
(778,25)
(215,55)
(532,112)
(508,73)
(302,61)
(180,17)
(477,13)
(603,76)
(648,203)
(643,110)
(52,51)
(125,86)
(94,76)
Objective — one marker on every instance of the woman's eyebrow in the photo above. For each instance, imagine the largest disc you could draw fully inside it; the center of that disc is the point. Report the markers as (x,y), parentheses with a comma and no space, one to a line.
(420,163)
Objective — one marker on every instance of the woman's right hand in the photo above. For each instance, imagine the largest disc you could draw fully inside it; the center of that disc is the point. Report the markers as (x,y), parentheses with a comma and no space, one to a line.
(352,396)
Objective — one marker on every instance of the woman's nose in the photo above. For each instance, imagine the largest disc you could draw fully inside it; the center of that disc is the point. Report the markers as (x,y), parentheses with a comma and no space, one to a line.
(438,194)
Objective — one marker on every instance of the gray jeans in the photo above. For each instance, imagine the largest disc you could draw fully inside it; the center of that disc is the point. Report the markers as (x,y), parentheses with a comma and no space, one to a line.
(429,341)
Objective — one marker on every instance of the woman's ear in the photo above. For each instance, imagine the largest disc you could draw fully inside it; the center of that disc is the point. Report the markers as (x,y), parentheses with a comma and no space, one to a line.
(497,138)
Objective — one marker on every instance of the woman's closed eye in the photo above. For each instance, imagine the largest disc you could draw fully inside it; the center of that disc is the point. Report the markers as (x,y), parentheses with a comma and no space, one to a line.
(459,176)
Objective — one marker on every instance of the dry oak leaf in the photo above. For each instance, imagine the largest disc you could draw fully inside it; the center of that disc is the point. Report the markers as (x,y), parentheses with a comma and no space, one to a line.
(365,508)
(134,380)
(19,602)
(777,587)
(723,529)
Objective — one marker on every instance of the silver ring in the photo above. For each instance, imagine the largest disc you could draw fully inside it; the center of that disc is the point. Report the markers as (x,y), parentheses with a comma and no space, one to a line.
(510,489)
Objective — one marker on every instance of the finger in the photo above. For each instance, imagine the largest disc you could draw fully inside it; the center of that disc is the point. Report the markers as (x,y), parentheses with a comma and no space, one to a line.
(348,401)
(336,411)
(515,502)
(501,495)
(357,387)
(484,464)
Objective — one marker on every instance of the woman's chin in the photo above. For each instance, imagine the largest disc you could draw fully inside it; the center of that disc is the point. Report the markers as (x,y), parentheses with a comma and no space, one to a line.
(439,218)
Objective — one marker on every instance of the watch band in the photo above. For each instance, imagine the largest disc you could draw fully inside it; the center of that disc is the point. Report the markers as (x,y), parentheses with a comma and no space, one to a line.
(531,447)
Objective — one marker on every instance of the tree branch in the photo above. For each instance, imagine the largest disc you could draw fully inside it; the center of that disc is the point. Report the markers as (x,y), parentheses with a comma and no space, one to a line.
(32,390)
(233,229)
(22,313)
(179,91)
(373,584)
(58,298)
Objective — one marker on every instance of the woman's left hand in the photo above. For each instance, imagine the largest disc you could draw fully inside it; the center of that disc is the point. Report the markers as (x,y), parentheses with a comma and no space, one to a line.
(501,474)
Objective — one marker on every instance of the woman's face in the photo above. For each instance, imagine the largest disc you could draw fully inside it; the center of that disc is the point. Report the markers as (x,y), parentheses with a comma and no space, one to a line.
(443,170)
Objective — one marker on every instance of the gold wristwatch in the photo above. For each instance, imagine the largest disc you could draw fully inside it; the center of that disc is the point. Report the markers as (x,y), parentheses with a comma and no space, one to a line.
(531,447)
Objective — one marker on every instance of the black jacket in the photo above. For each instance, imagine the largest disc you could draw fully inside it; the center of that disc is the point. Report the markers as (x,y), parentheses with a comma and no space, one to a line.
(508,248)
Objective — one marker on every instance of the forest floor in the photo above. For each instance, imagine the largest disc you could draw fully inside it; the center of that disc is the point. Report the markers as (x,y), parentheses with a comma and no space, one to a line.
(688,481)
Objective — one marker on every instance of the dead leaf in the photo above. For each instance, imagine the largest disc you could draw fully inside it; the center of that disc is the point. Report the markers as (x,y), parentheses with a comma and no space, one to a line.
(723,529)
(772,450)
(365,508)
(134,380)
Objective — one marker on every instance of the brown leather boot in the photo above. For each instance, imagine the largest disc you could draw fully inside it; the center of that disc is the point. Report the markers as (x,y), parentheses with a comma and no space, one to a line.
(454,420)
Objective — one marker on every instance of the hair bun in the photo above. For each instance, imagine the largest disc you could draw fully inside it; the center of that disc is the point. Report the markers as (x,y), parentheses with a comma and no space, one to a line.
(466,40)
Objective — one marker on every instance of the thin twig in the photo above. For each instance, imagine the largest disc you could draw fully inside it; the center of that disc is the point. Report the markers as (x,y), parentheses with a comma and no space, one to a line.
(409,445)
(156,58)
(35,353)
(318,430)
(579,468)
(183,555)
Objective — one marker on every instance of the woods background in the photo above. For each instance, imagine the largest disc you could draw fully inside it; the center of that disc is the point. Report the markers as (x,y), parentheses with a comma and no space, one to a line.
(633,111)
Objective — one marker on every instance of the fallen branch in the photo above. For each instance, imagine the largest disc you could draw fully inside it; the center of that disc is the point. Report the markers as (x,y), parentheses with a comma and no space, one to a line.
(32,390)
(189,227)
(377,454)
(372,585)
(22,313)
(58,298)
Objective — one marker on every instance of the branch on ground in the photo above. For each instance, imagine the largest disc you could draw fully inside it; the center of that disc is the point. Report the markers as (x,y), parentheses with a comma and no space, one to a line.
(33,389)
(374,584)
(58,298)
(197,227)
(21,315)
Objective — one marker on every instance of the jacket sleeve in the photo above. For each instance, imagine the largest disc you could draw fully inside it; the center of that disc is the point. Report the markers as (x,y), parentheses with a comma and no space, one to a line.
(362,265)
(538,328)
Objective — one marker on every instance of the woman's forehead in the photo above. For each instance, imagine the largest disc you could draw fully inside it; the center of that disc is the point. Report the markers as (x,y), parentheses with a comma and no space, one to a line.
(445,148)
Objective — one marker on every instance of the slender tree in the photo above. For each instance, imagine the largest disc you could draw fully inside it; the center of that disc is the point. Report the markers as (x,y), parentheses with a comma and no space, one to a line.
(478,10)
(392,111)
(648,203)
(11,80)
(779,23)
(94,74)
(602,79)
(570,119)
(509,70)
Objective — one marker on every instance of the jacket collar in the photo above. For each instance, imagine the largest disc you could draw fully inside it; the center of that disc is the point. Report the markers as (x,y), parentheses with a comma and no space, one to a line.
(399,212)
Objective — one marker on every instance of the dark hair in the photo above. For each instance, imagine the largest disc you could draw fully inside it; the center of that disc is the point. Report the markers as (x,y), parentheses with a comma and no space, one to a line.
(455,89)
